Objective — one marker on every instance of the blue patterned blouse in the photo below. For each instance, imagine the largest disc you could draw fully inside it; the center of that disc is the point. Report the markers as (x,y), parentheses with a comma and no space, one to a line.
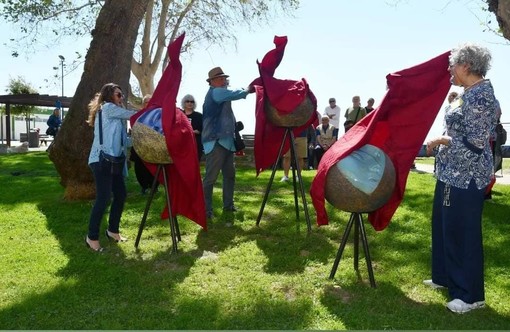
(469,122)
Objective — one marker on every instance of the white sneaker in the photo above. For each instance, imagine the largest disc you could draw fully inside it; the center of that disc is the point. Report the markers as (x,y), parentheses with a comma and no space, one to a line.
(461,307)
(432,284)
(284,179)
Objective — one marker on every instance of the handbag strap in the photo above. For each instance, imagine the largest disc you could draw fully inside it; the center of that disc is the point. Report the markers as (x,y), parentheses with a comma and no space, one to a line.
(100,128)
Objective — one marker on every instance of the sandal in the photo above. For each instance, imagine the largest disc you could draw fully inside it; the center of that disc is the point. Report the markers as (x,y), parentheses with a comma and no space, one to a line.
(111,237)
(100,249)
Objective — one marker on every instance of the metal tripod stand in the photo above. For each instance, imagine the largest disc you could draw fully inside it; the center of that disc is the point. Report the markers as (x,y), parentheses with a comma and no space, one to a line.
(356,219)
(174,225)
(294,163)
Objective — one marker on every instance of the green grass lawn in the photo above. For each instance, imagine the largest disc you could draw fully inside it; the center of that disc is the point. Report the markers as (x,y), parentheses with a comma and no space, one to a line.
(234,276)
(425,160)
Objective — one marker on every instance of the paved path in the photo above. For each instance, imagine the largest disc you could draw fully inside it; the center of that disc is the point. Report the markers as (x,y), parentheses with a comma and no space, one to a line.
(40,148)
(501,178)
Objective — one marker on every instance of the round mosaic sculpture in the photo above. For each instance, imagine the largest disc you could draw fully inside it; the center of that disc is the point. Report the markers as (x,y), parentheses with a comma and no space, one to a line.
(361,182)
(298,117)
(148,139)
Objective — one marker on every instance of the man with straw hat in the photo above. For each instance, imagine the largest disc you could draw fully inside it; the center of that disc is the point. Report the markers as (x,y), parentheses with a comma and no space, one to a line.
(218,136)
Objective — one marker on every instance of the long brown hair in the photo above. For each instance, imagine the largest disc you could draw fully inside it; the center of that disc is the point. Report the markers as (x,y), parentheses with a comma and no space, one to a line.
(104,96)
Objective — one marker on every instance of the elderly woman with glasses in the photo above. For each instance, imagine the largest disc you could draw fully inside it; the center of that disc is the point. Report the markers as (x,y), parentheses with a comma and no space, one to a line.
(463,171)
(189,105)
(108,117)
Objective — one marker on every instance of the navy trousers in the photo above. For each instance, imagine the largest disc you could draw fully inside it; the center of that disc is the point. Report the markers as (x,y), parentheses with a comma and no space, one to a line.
(457,248)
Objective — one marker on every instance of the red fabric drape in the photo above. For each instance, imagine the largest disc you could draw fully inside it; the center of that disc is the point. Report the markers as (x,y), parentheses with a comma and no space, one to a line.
(285,96)
(184,181)
(398,126)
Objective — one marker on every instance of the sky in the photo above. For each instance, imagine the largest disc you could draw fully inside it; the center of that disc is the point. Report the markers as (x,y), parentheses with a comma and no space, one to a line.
(342,48)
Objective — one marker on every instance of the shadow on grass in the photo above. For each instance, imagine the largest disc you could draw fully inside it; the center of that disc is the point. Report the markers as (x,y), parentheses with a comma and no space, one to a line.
(255,314)
(104,290)
(284,240)
(28,173)
(360,307)
(152,289)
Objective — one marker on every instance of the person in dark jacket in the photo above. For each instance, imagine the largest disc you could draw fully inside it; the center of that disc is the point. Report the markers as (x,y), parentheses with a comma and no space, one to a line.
(143,175)
(189,105)
(54,123)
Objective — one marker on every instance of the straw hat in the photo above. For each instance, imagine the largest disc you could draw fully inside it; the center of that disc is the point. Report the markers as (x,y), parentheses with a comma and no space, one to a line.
(216,72)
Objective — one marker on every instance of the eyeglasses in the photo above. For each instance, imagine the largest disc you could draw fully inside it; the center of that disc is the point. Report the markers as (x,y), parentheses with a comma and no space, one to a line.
(190,101)
(118,94)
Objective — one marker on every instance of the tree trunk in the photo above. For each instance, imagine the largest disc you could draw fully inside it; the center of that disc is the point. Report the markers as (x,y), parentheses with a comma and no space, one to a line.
(146,69)
(108,60)
(502,11)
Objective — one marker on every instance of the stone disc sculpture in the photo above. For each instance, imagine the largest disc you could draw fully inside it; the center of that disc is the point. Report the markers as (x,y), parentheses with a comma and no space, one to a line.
(361,182)
(148,139)
(298,117)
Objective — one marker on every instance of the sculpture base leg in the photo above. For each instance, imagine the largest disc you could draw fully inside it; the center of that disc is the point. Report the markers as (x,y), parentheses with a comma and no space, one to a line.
(356,219)
(174,226)
(294,164)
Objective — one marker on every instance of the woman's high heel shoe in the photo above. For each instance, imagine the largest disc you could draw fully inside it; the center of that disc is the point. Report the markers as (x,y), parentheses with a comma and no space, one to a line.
(121,238)
(100,249)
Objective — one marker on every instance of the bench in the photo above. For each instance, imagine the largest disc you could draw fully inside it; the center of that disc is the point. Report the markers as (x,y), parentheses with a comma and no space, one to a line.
(249,140)
(45,139)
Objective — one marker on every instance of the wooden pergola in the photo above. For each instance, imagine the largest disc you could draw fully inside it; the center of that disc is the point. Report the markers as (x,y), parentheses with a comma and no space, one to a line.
(32,99)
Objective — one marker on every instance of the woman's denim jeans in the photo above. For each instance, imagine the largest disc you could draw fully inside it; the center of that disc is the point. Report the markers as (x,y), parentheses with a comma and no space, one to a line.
(106,184)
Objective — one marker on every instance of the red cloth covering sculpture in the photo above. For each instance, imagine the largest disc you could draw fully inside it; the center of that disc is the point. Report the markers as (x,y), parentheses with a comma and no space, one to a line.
(285,96)
(184,181)
(398,126)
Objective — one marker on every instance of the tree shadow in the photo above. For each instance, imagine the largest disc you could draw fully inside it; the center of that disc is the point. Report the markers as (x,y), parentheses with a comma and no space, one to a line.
(129,280)
(363,308)
(28,172)
(285,254)
(139,279)
(264,312)
(151,277)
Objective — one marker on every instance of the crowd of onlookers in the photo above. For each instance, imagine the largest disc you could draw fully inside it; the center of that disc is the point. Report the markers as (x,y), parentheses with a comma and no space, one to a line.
(312,143)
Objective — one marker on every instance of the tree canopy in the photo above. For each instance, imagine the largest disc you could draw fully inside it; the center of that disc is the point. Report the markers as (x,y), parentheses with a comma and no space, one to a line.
(19,86)
(204,21)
